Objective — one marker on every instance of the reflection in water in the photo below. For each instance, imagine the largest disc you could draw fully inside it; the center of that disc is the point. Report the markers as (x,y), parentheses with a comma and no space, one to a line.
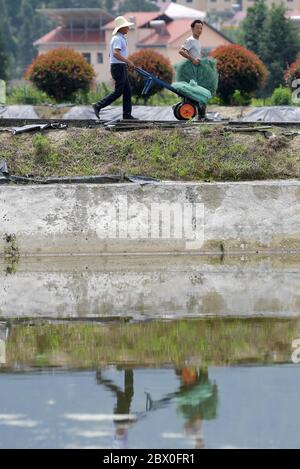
(196,400)
(122,418)
(3,339)
(151,407)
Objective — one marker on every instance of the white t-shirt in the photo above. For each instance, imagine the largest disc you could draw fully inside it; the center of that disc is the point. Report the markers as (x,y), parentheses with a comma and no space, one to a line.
(193,46)
(118,41)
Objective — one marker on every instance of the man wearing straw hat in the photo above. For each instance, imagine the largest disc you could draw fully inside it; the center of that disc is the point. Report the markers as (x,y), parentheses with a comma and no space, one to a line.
(119,65)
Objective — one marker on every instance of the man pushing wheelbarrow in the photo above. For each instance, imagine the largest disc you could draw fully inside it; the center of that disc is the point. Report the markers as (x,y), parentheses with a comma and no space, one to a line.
(188,85)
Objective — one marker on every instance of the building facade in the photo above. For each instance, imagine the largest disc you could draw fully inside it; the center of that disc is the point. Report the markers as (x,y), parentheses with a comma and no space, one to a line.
(89,32)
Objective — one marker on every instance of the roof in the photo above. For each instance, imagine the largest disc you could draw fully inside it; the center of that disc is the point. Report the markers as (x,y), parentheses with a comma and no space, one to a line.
(176,11)
(293,15)
(235,20)
(62,35)
(174,31)
(141,18)
(63,15)
(170,10)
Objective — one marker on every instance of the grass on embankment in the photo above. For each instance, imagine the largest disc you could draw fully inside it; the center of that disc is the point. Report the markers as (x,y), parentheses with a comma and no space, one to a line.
(207,153)
(215,341)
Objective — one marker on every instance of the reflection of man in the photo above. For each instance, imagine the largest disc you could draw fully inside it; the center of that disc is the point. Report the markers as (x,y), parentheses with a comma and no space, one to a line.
(122,419)
(197,400)
(3,339)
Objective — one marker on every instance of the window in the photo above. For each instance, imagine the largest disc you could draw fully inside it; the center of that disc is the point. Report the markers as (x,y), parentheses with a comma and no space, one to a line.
(189,1)
(87,57)
(99,58)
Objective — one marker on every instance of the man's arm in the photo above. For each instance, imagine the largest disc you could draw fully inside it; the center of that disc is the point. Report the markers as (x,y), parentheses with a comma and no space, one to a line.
(119,56)
(185,53)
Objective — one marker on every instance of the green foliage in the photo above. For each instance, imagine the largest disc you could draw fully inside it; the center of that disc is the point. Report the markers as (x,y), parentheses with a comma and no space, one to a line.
(239,69)
(241,99)
(281,97)
(28,95)
(211,154)
(281,45)
(213,341)
(4,59)
(60,73)
(45,153)
(22,25)
(154,63)
(254,22)
(278,41)
(138,5)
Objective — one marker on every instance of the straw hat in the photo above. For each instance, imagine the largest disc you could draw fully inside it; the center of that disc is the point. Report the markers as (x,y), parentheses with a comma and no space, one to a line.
(121,22)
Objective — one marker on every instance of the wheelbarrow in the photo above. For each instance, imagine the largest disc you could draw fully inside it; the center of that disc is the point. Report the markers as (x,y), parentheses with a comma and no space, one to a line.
(186,109)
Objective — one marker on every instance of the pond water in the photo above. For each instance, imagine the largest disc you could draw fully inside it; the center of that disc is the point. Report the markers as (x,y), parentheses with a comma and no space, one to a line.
(186,353)
(114,407)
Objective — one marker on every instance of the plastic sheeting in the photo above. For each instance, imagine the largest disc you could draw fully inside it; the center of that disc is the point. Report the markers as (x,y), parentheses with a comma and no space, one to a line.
(17,112)
(205,74)
(273,114)
(193,91)
(105,179)
(151,113)
(112,113)
(33,127)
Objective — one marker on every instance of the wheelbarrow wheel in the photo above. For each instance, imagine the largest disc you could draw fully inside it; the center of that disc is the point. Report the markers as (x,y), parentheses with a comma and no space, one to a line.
(184,111)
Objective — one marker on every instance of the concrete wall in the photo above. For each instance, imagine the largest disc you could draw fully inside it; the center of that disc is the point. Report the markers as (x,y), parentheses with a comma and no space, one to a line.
(150,287)
(220,217)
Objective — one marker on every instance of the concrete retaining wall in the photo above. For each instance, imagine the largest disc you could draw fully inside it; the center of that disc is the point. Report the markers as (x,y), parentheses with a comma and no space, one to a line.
(150,287)
(216,217)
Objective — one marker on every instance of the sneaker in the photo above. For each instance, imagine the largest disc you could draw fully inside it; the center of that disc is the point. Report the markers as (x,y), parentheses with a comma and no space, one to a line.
(96,110)
(130,118)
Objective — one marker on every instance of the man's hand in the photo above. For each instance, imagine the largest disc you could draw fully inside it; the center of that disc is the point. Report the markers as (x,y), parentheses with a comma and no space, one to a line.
(196,61)
(131,65)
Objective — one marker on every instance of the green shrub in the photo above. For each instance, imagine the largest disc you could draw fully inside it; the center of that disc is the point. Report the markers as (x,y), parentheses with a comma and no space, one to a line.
(154,63)
(281,97)
(60,73)
(241,99)
(28,95)
(239,69)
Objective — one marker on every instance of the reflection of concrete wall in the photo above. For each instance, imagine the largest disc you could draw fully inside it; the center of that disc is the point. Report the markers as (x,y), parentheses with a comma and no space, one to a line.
(151,287)
(72,218)
(3,338)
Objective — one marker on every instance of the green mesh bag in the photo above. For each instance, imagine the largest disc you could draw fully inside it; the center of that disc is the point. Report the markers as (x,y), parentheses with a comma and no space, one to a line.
(205,74)
(193,91)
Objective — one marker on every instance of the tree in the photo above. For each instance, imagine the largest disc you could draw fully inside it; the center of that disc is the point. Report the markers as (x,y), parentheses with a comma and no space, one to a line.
(3,59)
(60,73)
(280,45)
(5,41)
(138,5)
(154,63)
(239,70)
(253,26)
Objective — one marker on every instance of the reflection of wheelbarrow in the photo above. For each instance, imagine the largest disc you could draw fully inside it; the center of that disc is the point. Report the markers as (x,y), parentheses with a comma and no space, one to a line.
(184,110)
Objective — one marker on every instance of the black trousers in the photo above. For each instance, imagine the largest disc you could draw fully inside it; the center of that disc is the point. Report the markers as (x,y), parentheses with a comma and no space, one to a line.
(119,72)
